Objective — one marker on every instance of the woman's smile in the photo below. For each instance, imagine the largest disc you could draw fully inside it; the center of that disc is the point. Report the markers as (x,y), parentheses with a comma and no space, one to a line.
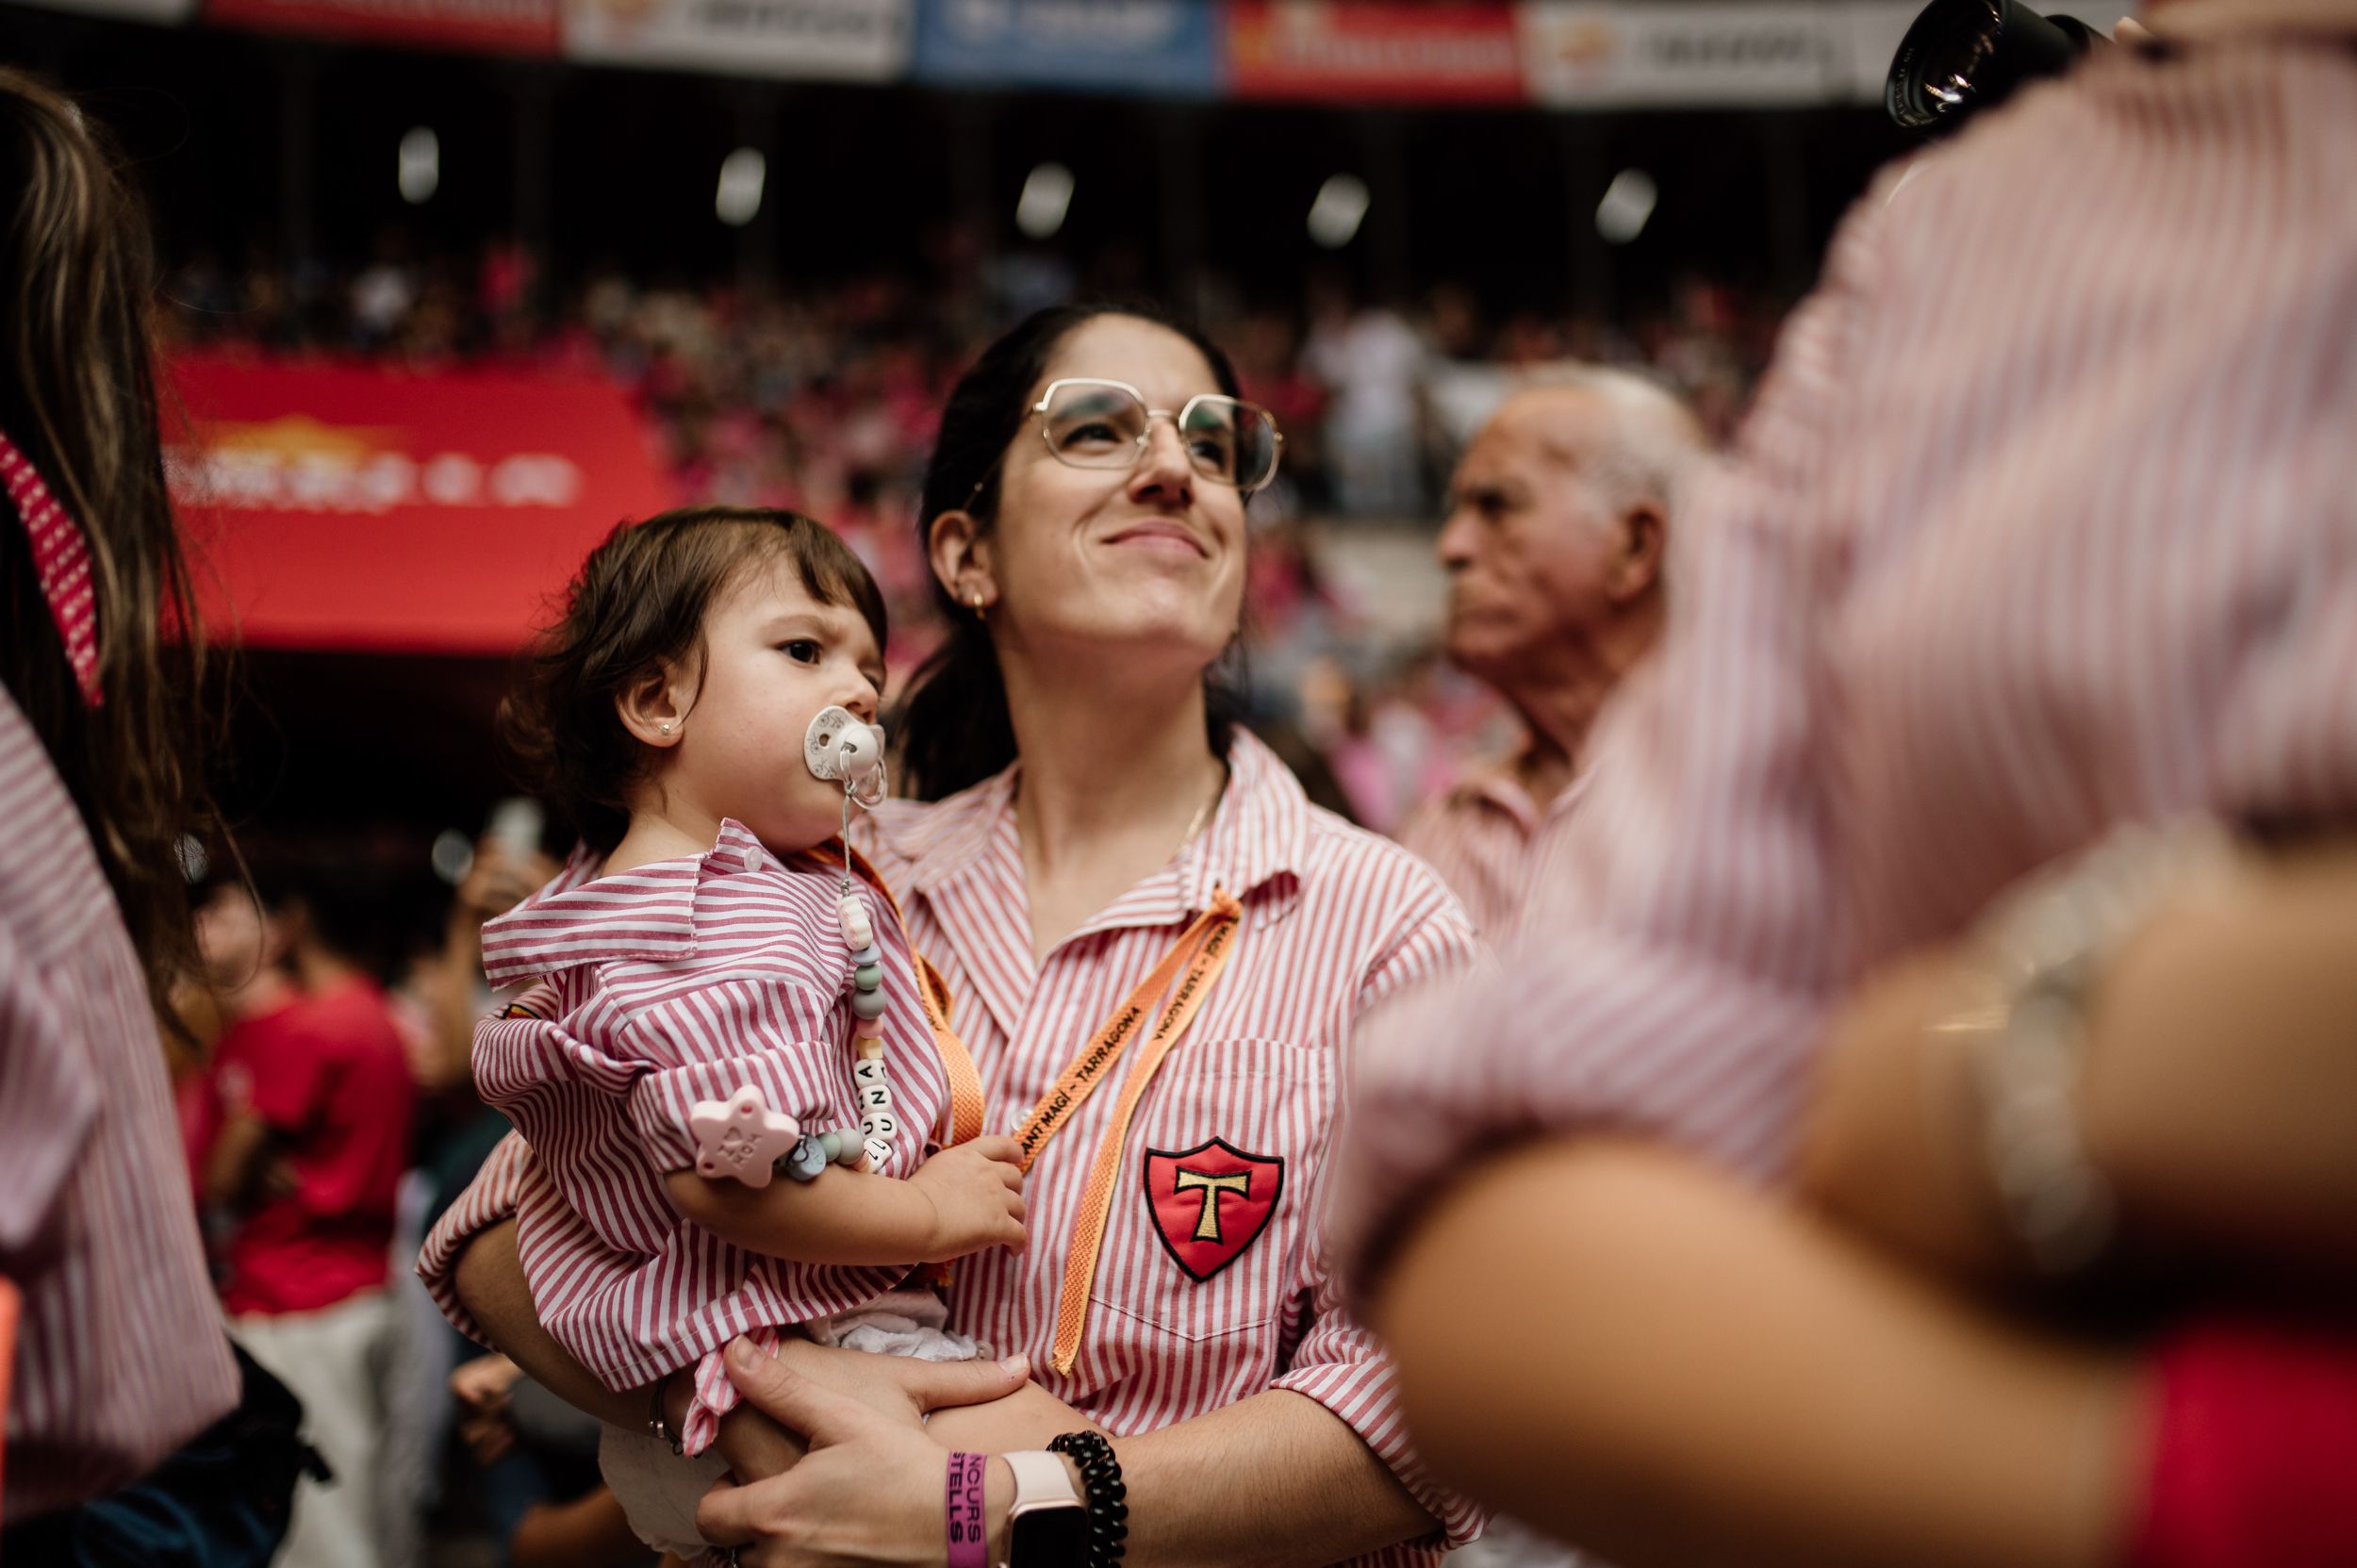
(1160,534)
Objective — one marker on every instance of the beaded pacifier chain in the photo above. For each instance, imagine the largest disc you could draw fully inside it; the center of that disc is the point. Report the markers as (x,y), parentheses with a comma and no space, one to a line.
(837,746)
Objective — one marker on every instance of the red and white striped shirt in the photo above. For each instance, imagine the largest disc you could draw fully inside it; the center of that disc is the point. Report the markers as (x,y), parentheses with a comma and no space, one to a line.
(2045,521)
(1335,922)
(673,983)
(1478,833)
(120,1353)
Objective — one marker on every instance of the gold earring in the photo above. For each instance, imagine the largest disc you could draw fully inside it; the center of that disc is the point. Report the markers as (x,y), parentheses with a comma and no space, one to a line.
(974,598)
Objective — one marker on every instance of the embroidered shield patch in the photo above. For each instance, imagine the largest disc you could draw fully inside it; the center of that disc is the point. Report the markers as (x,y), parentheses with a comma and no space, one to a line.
(1211,1203)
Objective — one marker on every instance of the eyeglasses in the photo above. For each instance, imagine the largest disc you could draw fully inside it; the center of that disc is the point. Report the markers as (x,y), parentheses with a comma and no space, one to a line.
(1106,424)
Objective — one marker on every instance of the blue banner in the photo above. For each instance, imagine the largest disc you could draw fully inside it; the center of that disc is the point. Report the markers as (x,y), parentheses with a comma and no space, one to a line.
(1167,47)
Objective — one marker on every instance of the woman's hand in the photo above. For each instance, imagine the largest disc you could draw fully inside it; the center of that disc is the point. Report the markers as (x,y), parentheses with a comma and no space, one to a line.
(2217,1070)
(869,1489)
(1890,1150)
(899,1389)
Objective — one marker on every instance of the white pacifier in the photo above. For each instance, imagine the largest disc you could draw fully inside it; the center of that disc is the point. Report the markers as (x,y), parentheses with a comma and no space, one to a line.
(841,747)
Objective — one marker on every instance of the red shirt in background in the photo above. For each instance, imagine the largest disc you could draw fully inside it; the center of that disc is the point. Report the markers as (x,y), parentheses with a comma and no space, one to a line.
(328,1076)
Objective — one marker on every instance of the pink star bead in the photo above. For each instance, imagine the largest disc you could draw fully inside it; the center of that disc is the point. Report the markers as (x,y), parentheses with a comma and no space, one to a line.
(740,1136)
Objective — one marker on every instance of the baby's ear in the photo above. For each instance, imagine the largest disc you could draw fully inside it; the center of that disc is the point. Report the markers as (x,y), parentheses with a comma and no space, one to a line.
(653,707)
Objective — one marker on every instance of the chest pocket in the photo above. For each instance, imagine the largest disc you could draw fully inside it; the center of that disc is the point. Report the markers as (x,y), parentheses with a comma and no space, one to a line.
(1209,1224)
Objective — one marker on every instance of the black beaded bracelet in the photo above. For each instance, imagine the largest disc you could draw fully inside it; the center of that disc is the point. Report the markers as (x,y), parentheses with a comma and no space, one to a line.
(1107,1499)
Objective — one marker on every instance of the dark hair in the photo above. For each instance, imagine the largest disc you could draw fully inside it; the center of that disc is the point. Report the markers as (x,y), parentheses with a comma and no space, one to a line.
(639,603)
(77,278)
(953,726)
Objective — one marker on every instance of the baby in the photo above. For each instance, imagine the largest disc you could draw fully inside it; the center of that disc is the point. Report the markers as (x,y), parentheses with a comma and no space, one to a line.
(736,1087)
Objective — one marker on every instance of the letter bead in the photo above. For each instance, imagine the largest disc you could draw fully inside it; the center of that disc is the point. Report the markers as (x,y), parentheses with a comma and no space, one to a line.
(881,1124)
(867,1070)
(877,1151)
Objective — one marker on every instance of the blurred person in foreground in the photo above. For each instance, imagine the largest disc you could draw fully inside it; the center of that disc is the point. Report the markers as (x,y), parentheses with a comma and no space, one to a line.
(1994,786)
(1558,517)
(119,1356)
(316,1108)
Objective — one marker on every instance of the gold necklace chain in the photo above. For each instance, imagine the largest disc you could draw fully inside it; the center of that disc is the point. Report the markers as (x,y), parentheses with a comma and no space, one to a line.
(1203,812)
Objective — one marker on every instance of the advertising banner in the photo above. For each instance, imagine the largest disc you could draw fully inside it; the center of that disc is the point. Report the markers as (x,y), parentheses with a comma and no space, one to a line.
(833,40)
(124,10)
(1686,53)
(358,507)
(1373,52)
(1169,47)
(500,26)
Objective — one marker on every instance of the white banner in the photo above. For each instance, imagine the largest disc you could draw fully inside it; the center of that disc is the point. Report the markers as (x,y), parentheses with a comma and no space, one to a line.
(1596,53)
(844,39)
(1581,54)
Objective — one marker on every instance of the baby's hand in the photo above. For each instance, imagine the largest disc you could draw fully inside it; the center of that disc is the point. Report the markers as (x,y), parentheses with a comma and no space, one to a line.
(977,1193)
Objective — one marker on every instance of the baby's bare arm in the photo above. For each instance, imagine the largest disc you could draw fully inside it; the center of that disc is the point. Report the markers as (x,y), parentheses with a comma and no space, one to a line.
(960,1202)
(845,1217)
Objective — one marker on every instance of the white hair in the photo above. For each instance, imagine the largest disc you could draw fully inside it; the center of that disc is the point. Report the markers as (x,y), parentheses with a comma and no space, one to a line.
(1656,448)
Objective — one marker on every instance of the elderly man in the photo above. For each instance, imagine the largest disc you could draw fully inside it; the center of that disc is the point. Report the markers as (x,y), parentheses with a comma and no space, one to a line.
(1557,520)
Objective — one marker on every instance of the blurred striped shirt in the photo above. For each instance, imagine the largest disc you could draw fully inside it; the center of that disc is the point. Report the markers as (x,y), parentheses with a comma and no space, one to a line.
(1479,834)
(120,1354)
(2046,521)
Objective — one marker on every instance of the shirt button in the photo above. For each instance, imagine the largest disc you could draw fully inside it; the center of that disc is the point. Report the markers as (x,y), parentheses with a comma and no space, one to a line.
(751,857)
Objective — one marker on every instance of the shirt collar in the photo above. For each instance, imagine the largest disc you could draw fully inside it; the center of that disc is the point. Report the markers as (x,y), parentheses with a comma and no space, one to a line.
(1255,839)
(1499,783)
(1494,784)
(1258,837)
(581,917)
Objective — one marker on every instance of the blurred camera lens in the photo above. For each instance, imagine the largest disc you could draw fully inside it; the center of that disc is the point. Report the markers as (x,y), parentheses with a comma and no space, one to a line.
(1963,55)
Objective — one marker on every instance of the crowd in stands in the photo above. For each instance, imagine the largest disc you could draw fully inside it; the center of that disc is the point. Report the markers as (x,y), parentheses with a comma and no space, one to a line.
(823,398)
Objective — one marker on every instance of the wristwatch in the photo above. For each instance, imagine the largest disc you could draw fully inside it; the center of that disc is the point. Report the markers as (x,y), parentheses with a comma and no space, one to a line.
(1047,1524)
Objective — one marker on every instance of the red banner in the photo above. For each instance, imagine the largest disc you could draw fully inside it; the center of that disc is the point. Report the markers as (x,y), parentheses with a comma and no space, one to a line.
(357,508)
(1374,52)
(499,26)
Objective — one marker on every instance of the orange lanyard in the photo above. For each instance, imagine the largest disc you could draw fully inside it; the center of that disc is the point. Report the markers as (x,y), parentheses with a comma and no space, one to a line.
(957,1063)
(1202,953)
(1204,950)
(1195,963)
(965,1083)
